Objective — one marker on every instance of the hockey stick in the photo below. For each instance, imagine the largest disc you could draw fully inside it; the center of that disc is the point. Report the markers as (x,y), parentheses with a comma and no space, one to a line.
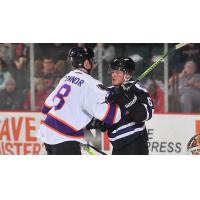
(87,148)
(156,63)
(99,151)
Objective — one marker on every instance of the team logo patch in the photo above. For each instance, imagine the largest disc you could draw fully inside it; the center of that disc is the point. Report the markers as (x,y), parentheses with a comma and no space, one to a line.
(102,87)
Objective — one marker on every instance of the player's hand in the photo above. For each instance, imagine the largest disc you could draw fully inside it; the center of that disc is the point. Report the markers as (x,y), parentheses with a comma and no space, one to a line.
(114,94)
(125,99)
(130,88)
(96,124)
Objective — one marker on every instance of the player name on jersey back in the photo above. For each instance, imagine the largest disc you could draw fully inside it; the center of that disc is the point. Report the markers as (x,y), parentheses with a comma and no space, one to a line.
(75,80)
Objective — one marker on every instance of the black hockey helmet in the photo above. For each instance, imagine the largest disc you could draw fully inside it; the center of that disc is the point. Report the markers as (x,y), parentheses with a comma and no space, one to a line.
(78,55)
(124,64)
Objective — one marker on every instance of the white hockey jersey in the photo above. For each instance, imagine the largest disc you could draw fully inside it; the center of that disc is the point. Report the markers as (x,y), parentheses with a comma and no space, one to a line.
(71,106)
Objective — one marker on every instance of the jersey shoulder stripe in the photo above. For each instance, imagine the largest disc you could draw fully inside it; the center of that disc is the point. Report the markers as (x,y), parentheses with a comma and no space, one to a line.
(140,87)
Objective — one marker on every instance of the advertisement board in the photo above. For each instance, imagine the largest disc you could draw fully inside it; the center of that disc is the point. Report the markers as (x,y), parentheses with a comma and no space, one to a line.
(168,134)
(17,130)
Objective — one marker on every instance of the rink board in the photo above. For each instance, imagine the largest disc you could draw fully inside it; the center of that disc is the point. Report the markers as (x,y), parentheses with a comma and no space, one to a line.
(168,134)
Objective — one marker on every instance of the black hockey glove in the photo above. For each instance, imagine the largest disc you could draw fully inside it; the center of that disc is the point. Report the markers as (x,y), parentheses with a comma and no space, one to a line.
(124,98)
(114,93)
(96,124)
(130,88)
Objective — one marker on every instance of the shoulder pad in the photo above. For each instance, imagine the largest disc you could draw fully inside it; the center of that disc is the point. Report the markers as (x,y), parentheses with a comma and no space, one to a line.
(140,87)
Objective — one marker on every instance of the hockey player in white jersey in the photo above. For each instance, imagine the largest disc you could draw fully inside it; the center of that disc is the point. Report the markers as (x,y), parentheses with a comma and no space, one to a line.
(71,106)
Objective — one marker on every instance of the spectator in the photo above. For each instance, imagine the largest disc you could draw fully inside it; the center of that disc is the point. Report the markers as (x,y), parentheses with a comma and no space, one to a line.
(41,93)
(61,67)
(22,50)
(155,87)
(10,97)
(49,72)
(188,87)
(7,52)
(189,52)
(4,74)
(21,74)
(156,93)
(38,65)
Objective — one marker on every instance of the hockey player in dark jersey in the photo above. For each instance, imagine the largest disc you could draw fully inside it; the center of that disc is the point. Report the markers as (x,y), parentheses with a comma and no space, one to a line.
(129,135)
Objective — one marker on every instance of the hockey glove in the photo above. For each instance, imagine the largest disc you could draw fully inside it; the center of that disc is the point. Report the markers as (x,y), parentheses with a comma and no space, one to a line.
(130,88)
(114,94)
(125,99)
(96,124)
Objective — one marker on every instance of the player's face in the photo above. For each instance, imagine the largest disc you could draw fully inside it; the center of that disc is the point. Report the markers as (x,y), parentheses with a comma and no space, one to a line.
(117,77)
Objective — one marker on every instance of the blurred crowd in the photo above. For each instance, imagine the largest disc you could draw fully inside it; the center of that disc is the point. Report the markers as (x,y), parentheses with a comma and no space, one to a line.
(51,64)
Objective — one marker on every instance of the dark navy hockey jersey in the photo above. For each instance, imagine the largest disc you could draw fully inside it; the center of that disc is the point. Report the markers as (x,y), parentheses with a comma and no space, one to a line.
(133,125)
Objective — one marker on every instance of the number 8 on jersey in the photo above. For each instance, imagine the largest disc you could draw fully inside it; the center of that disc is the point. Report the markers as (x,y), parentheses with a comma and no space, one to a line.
(59,97)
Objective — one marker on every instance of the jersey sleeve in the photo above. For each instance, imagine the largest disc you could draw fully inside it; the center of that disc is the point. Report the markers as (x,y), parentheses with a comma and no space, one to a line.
(95,104)
(144,108)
